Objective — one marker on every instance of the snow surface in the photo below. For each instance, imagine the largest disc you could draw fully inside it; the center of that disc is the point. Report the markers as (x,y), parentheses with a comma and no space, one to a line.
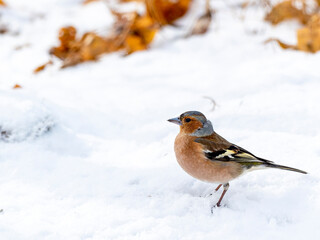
(105,169)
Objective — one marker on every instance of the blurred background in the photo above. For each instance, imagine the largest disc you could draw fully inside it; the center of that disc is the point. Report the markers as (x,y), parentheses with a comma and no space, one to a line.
(86,87)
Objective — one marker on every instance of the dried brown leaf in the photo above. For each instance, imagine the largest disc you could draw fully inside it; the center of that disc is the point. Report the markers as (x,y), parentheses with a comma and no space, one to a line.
(281,44)
(3,29)
(134,32)
(17,86)
(73,51)
(131,32)
(134,43)
(125,1)
(202,24)
(309,36)
(165,11)
(42,67)
(89,1)
(92,46)
(68,43)
(121,29)
(245,4)
(145,28)
(72,59)
(285,11)
(67,36)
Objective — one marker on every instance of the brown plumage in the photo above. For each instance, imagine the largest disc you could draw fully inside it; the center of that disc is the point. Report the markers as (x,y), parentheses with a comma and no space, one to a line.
(207,156)
(192,159)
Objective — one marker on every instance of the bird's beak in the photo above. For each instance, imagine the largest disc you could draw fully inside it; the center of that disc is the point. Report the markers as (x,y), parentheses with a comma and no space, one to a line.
(175,120)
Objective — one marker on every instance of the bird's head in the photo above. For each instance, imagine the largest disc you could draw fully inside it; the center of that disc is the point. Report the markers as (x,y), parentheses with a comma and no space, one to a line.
(193,123)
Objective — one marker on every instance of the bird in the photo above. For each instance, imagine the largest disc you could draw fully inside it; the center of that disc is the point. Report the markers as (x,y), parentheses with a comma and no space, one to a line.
(206,156)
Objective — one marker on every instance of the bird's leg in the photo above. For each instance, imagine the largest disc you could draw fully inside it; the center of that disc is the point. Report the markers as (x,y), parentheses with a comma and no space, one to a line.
(218,187)
(225,189)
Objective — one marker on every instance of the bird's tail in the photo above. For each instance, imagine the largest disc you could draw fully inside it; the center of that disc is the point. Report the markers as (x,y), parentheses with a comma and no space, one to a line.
(271,165)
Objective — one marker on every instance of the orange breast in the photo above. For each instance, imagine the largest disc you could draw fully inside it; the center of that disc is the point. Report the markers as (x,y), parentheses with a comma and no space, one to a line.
(191,158)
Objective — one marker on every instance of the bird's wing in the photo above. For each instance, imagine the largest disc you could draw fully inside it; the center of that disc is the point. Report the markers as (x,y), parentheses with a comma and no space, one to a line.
(227,152)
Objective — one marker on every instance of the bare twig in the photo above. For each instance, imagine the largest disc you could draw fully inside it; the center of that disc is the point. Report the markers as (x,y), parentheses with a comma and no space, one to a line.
(213,102)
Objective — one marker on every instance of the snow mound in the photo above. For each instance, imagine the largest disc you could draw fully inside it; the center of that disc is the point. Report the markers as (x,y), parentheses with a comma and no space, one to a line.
(22,118)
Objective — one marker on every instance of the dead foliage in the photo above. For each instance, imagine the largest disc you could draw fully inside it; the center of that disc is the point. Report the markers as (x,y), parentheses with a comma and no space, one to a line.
(166,11)
(130,32)
(281,44)
(89,1)
(16,86)
(202,24)
(245,4)
(140,34)
(3,29)
(122,1)
(285,11)
(42,67)
(308,37)
(126,1)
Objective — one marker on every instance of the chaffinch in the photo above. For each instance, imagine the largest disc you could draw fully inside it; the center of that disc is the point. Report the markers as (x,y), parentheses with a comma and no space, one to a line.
(207,156)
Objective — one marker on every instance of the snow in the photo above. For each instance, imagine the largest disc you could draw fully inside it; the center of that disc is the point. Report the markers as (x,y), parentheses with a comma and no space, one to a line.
(24,118)
(105,167)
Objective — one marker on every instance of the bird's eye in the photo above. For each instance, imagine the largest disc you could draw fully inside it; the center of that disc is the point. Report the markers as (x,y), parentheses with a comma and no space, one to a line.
(187,120)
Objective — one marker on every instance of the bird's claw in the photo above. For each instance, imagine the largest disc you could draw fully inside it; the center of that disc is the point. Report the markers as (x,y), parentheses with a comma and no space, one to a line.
(214,206)
(217,206)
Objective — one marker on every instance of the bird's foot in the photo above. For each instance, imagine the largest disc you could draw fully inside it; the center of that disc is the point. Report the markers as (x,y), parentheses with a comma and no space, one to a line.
(214,206)
(217,206)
